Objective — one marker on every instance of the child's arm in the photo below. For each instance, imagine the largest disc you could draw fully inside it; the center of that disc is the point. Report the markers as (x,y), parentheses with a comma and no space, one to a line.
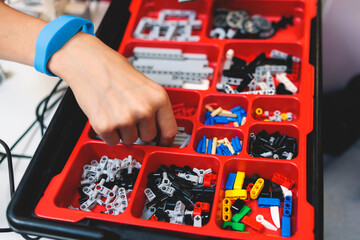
(119,101)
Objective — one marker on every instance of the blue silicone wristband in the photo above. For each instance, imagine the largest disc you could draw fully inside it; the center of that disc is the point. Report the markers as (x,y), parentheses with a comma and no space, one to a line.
(54,35)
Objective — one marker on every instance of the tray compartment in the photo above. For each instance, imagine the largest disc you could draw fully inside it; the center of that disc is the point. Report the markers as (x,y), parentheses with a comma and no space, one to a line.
(68,194)
(226,102)
(271,10)
(271,104)
(151,9)
(187,100)
(266,170)
(290,130)
(219,133)
(211,51)
(248,51)
(157,159)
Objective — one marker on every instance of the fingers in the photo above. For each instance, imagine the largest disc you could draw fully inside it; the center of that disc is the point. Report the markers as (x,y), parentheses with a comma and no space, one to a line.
(111,138)
(167,125)
(147,129)
(129,134)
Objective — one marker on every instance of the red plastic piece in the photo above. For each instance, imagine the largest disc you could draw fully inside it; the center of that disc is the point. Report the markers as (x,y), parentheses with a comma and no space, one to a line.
(252,223)
(154,218)
(209,179)
(248,189)
(201,207)
(283,181)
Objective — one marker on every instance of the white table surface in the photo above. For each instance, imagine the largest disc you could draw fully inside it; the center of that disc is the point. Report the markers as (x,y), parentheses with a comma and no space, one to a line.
(20,93)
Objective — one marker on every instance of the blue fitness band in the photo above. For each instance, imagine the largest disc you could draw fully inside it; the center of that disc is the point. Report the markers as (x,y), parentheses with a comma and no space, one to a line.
(54,35)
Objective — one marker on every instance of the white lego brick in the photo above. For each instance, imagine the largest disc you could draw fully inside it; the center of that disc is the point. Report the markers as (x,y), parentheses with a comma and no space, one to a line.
(281,77)
(202,85)
(158,53)
(274,69)
(195,56)
(282,55)
(269,80)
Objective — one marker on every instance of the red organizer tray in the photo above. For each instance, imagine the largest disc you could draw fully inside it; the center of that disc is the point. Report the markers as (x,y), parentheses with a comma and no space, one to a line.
(295,40)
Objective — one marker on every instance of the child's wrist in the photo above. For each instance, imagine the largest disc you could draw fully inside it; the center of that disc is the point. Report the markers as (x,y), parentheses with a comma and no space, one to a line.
(54,36)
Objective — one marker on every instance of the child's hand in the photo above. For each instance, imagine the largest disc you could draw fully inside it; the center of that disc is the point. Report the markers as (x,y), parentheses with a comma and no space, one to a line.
(120,102)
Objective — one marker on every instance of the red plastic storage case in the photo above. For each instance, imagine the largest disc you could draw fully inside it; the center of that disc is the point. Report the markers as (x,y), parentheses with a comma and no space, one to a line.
(49,210)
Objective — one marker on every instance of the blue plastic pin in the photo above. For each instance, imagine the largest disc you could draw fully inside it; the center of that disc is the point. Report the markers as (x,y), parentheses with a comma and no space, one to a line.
(236,109)
(220,120)
(203,145)
(198,148)
(209,146)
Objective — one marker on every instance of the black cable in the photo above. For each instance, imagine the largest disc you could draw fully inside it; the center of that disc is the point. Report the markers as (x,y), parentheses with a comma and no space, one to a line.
(40,117)
(10,167)
(11,177)
(16,155)
(33,123)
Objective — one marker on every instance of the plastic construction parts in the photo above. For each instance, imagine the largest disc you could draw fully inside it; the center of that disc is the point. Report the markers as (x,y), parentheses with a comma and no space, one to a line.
(275,145)
(106,185)
(235,209)
(216,115)
(178,29)
(266,74)
(179,195)
(171,67)
(181,110)
(273,116)
(182,139)
(239,24)
(219,146)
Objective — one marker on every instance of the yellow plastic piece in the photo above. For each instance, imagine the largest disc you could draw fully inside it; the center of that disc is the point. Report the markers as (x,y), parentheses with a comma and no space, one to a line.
(258,111)
(226,213)
(216,112)
(256,189)
(243,121)
(283,116)
(266,120)
(234,194)
(209,108)
(239,180)
(213,147)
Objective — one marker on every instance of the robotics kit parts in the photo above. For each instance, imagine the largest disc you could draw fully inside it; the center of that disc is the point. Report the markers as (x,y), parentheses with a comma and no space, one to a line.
(260,75)
(181,110)
(275,116)
(173,68)
(163,29)
(239,24)
(239,190)
(219,146)
(234,117)
(276,146)
(180,195)
(107,185)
